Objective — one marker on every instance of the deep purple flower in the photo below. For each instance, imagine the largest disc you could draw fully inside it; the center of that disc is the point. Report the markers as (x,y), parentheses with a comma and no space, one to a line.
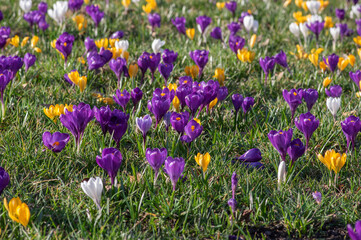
(335,91)
(310,96)
(252,155)
(11,63)
(243,14)
(5,78)
(64,44)
(281,59)
(345,31)
(267,64)
(234,27)
(43,7)
(165,70)
(119,67)
(174,168)
(160,105)
(33,17)
(117,35)
(216,33)
(358,27)
(29,60)
(222,93)
(144,124)
(340,13)
(154,60)
(307,124)
(102,115)
(281,140)
(236,43)
(316,27)
(77,120)
(43,25)
(56,141)
(296,149)
(4,35)
(97,60)
(232,203)
(180,24)
(143,63)
(110,161)
(293,98)
(200,58)
(118,125)
(179,121)
(356,77)
(193,101)
(354,235)
(237,100)
(90,45)
(156,158)
(1,16)
(186,80)
(75,5)
(203,22)
(350,127)
(122,98)
(182,91)
(4,179)
(331,62)
(169,57)
(209,91)
(154,20)
(247,103)
(136,95)
(95,13)
(193,129)
(231,6)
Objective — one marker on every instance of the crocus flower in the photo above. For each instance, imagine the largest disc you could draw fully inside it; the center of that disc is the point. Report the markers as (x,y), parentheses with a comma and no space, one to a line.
(233,204)
(333,104)
(281,140)
(250,23)
(296,149)
(310,96)
(350,127)
(356,77)
(315,24)
(252,155)
(243,15)
(160,105)
(94,12)
(281,173)
(93,187)
(267,64)
(154,60)
(334,91)
(136,95)
(193,101)
(193,129)
(165,70)
(200,58)
(216,33)
(25,5)
(331,62)
(313,6)
(281,59)
(354,235)
(203,160)
(110,161)
(64,44)
(77,120)
(293,98)
(29,60)
(97,60)
(58,12)
(174,168)
(222,93)
(231,6)
(307,124)
(156,157)
(294,29)
(90,45)
(119,67)
(203,22)
(5,78)
(180,24)
(237,100)
(345,31)
(75,5)
(56,141)
(4,36)
(144,124)
(332,160)
(117,35)
(18,211)
(247,103)
(169,57)
(317,196)
(236,43)
(4,179)
(182,91)
(118,124)
(102,115)
(154,20)
(143,64)
(234,27)
(179,121)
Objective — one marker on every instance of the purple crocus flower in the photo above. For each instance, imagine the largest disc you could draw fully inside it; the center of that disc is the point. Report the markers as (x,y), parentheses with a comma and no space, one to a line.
(33,17)
(1,16)
(43,25)
(267,64)
(169,57)
(356,77)
(117,35)
(122,98)
(154,60)
(310,96)
(200,58)
(118,124)
(179,121)
(358,28)
(144,124)
(281,59)
(75,5)
(97,60)
(203,22)
(136,95)
(95,13)
(174,168)
(56,141)
(335,91)
(296,150)
(193,101)
(4,179)
(252,155)
(110,161)
(234,27)
(156,157)
(232,202)
(231,6)
(331,62)
(119,67)
(43,7)
(216,33)
(247,103)
(154,20)
(316,27)
(354,235)
(193,129)
(222,93)
(77,120)
(293,98)
(237,100)
(344,30)
(165,70)
(186,80)
(90,45)
(143,64)
(236,43)
(307,124)
(317,196)
(340,13)
(160,104)
(102,115)
(64,44)
(209,91)
(5,78)
(281,140)
(350,127)
(29,60)
(180,24)
(182,91)
(4,35)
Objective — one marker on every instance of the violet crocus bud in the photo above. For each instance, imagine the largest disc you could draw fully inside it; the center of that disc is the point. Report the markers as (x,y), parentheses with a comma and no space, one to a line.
(216,33)
(267,64)
(4,179)
(307,124)
(237,100)
(331,62)
(136,95)
(43,7)
(174,168)
(296,150)
(165,70)
(102,116)
(334,91)
(200,58)
(310,96)
(55,142)
(247,103)
(340,13)
(122,98)
(156,158)
(318,198)
(154,20)
(252,155)
(234,27)
(281,141)
(350,127)
(180,24)
(110,161)
(231,6)
(95,13)
(118,125)
(29,60)
(294,99)
(203,22)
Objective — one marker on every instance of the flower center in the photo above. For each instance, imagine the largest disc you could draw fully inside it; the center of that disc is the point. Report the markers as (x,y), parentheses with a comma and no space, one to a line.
(193,127)
(56,144)
(178,118)
(295,93)
(162,94)
(65,44)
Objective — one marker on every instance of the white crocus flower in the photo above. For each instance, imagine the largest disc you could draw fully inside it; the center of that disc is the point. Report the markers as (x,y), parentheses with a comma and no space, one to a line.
(93,188)
(333,104)
(248,22)
(157,45)
(281,173)
(335,33)
(355,13)
(122,44)
(304,29)
(255,26)
(313,6)
(294,29)
(58,12)
(25,5)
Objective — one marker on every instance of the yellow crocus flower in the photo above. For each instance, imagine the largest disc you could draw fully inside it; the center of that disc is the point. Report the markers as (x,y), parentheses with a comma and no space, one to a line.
(24,41)
(313,57)
(15,41)
(219,74)
(125,55)
(133,70)
(34,40)
(147,8)
(190,33)
(213,103)
(78,80)
(126,3)
(342,63)
(112,41)
(80,21)
(287,3)
(300,53)
(203,160)
(357,40)
(103,42)
(351,59)
(176,103)
(359,52)
(323,66)
(50,112)
(323,5)
(172,86)
(326,82)
(328,22)
(18,211)
(332,160)
(252,41)
(220,5)
(299,3)
(116,52)
(192,71)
